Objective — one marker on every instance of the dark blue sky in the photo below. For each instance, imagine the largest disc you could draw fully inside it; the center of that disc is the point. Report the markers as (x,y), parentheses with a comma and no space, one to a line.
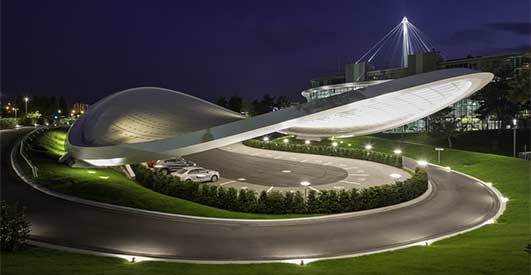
(88,49)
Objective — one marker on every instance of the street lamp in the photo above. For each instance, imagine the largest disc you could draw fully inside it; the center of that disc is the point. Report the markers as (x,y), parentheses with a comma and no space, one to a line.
(514,136)
(439,150)
(305,184)
(26,104)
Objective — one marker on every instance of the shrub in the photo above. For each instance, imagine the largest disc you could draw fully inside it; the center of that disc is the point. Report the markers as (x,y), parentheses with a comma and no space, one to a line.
(8,123)
(379,157)
(14,229)
(285,203)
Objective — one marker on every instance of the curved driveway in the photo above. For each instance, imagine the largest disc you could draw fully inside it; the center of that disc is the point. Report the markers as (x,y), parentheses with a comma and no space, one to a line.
(457,203)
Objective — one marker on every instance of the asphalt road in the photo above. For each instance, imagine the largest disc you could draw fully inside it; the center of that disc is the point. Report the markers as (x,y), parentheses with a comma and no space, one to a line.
(267,171)
(457,203)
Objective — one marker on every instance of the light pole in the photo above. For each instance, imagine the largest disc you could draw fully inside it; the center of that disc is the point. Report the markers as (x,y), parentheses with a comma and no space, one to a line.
(514,137)
(26,104)
(439,150)
(305,184)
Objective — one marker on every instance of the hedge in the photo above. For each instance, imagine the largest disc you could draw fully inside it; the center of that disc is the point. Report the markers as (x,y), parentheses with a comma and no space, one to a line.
(324,202)
(393,160)
(8,123)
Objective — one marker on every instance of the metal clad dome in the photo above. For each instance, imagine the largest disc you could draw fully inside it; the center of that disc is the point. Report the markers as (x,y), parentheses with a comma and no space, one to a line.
(146,114)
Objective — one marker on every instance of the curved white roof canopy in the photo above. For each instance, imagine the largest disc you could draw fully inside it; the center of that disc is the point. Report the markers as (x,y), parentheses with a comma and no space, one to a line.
(151,123)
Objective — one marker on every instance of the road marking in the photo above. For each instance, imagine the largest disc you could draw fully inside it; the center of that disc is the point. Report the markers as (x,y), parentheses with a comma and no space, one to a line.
(293,158)
(362,179)
(351,182)
(279,157)
(270,188)
(361,171)
(339,187)
(359,175)
(328,163)
(304,160)
(315,189)
(350,168)
(342,165)
(227,182)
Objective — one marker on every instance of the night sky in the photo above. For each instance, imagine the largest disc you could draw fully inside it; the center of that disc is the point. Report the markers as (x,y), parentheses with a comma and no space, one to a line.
(86,50)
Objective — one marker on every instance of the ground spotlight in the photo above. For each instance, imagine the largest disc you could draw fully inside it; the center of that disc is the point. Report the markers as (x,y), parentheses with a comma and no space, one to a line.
(266,139)
(397,151)
(285,140)
(307,142)
(334,144)
(368,147)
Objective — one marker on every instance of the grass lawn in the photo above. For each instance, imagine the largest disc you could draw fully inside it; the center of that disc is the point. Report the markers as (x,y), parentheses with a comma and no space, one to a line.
(494,249)
(110,186)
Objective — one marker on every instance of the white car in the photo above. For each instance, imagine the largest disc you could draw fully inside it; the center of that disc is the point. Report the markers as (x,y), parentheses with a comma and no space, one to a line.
(199,174)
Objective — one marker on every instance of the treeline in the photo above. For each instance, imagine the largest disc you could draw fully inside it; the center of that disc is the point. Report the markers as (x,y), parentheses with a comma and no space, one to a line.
(393,160)
(275,202)
(255,107)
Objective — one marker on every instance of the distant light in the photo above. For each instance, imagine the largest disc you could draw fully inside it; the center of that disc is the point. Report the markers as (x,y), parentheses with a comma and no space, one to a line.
(59,111)
(82,112)
(422,162)
(103,177)
(341,142)
(349,145)
(285,140)
(307,142)
(515,121)
(404,20)
(91,172)
(286,171)
(305,183)
(334,144)
(397,151)
(395,176)
(266,139)
(368,147)
(26,99)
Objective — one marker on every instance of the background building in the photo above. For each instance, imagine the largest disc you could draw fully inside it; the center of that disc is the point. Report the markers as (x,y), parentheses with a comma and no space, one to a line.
(360,75)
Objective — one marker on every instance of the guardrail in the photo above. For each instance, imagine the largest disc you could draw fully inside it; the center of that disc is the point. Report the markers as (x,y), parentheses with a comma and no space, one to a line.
(525,155)
(34,169)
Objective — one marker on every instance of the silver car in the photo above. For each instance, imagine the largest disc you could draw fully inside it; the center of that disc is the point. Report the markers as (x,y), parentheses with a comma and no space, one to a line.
(199,174)
(167,166)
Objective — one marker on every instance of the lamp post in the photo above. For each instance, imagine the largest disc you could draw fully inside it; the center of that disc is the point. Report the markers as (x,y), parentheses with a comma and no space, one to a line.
(26,99)
(439,150)
(305,184)
(514,136)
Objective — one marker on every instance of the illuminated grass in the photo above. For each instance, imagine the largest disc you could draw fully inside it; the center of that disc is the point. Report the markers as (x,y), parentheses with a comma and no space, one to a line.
(494,249)
(110,186)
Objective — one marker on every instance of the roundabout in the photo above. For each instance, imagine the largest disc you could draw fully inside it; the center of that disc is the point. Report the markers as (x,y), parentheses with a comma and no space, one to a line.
(258,169)
(457,203)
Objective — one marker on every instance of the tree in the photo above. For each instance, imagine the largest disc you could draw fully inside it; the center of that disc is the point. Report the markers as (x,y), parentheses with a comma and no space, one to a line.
(235,103)
(222,101)
(494,98)
(282,102)
(14,229)
(443,124)
(519,90)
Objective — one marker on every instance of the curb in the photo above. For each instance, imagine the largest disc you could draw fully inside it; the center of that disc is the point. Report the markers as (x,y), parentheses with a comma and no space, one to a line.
(136,258)
(49,192)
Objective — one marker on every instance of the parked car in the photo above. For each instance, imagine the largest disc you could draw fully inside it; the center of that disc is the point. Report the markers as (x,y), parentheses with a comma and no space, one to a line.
(197,174)
(167,166)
